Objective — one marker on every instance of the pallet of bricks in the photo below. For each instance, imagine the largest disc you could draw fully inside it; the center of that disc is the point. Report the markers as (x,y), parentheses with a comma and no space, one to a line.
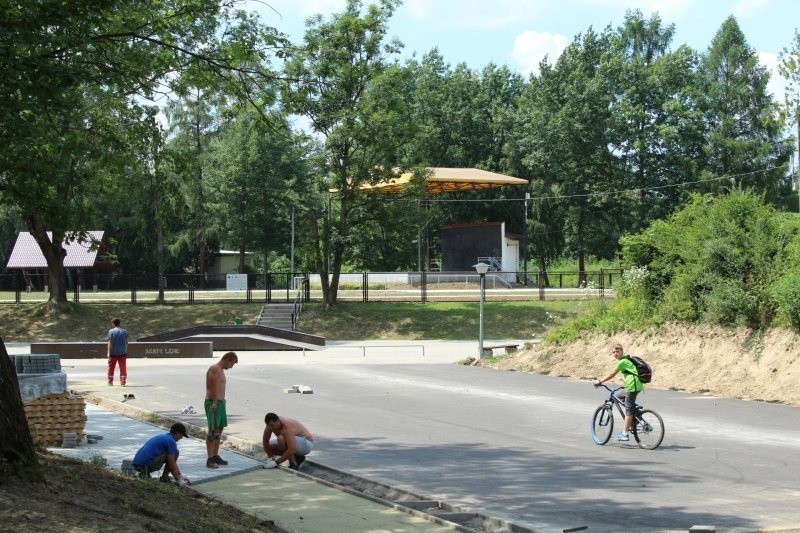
(50,417)
(52,411)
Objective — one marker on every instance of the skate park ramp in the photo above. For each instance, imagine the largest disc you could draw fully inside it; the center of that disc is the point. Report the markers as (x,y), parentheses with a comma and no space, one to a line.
(232,337)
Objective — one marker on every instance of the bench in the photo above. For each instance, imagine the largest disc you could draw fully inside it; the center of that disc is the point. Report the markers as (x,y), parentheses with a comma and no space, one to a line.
(510,348)
(99,350)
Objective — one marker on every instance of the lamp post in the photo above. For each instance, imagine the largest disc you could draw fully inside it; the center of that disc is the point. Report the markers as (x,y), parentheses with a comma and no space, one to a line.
(482,268)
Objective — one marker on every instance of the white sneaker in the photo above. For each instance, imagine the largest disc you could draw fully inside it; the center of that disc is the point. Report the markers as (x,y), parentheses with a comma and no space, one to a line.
(622,437)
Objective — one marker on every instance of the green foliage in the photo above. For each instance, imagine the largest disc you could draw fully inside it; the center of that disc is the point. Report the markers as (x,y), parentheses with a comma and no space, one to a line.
(73,127)
(591,264)
(715,260)
(341,79)
(785,286)
(730,261)
(727,302)
(744,139)
(254,166)
(279,263)
(786,294)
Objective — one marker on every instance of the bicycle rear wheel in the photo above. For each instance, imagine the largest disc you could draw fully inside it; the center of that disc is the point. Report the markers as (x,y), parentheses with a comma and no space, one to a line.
(648,429)
(602,424)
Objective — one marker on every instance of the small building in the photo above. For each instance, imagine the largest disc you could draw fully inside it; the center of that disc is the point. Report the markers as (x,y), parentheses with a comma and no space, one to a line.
(80,257)
(227,262)
(464,245)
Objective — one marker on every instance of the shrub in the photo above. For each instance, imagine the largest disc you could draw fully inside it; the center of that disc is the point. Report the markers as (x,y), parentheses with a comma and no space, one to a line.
(728,303)
(711,260)
(786,295)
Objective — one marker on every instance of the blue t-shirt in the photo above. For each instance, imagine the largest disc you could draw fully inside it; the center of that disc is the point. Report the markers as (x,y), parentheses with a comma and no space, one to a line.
(160,444)
(119,341)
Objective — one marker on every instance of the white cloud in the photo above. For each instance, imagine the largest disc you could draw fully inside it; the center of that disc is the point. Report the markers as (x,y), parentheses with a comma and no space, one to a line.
(531,47)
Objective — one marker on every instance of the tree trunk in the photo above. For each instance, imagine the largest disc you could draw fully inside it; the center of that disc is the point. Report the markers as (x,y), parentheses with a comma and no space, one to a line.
(54,252)
(16,446)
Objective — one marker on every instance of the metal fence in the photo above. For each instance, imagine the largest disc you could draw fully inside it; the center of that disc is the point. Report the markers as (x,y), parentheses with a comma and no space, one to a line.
(284,287)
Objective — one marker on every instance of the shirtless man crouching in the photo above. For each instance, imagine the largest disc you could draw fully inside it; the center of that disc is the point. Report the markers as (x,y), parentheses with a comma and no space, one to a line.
(293,440)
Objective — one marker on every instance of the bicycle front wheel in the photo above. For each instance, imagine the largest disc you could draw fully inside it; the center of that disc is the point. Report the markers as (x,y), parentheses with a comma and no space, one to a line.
(602,424)
(648,429)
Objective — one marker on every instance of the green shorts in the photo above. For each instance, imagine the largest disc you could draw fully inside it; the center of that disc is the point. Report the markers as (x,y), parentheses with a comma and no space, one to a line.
(218,418)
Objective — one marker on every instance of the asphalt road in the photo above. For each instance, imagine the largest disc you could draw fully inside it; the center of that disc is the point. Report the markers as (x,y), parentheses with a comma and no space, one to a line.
(510,445)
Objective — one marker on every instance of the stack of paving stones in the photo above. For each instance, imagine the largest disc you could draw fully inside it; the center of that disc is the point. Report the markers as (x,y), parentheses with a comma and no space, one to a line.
(51,418)
(69,440)
(37,363)
(55,419)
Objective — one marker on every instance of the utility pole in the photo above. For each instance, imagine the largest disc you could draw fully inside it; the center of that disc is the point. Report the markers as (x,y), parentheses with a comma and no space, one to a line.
(292,246)
(525,240)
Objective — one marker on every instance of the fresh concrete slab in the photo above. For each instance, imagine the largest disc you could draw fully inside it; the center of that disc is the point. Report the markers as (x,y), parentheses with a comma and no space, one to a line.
(300,504)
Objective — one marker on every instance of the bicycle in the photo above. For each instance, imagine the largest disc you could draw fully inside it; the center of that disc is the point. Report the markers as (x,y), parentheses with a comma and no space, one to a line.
(647,429)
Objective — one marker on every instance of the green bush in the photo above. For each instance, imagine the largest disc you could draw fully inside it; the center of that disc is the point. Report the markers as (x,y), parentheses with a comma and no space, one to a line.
(728,303)
(713,260)
(786,294)
(678,300)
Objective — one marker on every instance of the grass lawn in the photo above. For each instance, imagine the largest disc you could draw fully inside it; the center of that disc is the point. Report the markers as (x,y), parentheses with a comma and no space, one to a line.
(348,321)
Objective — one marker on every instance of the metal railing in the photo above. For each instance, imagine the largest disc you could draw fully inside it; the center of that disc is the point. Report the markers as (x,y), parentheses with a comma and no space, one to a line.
(301,287)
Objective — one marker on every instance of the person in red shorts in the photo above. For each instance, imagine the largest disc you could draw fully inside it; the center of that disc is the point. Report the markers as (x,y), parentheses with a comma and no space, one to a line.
(117,352)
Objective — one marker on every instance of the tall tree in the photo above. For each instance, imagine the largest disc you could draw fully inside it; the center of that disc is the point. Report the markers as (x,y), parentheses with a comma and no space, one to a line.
(564,120)
(195,120)
(789,67)
(341,79)
(255,168)
(72,72)
(653,100)
(744,138)
(69,113)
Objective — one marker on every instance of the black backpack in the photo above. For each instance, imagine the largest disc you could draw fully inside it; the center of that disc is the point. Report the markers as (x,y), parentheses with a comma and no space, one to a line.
(644,370)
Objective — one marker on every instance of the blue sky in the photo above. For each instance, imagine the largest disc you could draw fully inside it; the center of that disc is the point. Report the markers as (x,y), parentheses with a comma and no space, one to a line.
(519,33)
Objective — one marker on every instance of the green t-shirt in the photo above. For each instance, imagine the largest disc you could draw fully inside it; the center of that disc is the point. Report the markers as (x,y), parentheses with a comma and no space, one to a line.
(630,377)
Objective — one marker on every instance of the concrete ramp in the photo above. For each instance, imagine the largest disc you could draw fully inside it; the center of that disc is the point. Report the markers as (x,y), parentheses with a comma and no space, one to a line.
(243,337)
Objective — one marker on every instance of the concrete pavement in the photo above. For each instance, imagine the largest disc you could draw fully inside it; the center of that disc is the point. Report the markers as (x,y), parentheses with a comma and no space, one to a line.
(396,420)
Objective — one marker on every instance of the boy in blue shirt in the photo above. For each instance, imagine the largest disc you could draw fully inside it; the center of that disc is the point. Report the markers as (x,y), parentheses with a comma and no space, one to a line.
(160,450)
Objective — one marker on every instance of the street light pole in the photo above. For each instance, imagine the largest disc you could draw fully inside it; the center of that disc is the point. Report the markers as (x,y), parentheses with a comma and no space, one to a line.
(482,268)
(525,241)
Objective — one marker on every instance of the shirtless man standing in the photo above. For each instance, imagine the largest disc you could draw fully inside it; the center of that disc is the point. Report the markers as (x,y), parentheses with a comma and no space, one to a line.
(216,414)
(293,440)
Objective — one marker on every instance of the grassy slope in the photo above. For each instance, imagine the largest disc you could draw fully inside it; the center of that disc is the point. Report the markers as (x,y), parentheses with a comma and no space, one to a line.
(348,321)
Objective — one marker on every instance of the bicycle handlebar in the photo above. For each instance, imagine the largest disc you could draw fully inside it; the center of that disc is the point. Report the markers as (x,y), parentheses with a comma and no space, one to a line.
(609,389)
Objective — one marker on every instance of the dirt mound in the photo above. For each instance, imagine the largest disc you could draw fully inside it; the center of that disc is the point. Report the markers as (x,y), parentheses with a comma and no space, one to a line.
(69,495)
(736,363)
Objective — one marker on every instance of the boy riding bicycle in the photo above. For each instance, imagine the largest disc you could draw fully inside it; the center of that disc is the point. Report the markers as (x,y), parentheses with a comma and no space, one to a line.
(633,386)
